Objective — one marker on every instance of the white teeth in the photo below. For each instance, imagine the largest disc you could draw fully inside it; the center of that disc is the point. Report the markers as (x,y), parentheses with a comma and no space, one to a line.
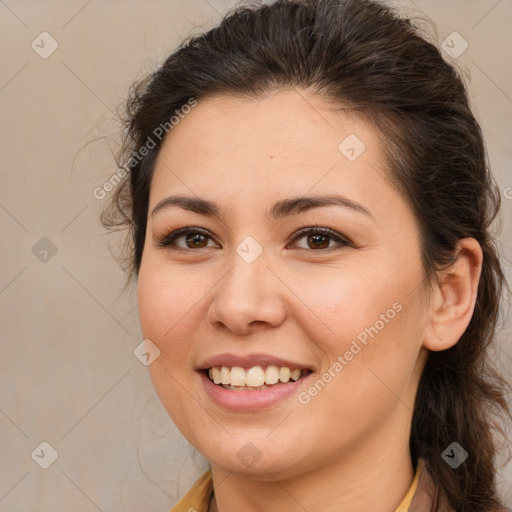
(272,375)
(237,377)
(225,375)
(216,375)
(295,374)
(284,374)
(255,377)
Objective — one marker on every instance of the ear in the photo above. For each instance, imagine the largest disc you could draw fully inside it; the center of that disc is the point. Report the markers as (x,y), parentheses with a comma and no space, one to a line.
(453,298)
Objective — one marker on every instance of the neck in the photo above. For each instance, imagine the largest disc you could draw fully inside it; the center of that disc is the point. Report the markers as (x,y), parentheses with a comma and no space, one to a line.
(353,483)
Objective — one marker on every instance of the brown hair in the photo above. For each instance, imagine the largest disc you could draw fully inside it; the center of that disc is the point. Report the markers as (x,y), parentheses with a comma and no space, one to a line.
(361,54)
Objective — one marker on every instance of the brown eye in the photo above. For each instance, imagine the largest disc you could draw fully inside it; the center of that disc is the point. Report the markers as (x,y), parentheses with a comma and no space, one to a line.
(319,239)
(191,238)
(196,241)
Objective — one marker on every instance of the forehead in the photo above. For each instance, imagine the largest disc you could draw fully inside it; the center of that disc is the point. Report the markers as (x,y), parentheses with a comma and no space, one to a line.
(289,137)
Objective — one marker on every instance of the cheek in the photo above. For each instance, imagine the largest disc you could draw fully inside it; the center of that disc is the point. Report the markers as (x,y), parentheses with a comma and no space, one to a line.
(168,307)
(166,302)
(368,324)
(367,379)
(341,305)
(166,314)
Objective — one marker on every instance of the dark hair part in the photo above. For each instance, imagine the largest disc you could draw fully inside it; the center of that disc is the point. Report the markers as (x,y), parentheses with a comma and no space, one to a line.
(359,54)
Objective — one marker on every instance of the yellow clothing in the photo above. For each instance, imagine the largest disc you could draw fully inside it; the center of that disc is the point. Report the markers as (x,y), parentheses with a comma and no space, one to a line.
(198,497)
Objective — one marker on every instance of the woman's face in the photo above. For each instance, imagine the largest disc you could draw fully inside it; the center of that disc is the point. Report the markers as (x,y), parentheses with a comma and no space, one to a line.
(345,310)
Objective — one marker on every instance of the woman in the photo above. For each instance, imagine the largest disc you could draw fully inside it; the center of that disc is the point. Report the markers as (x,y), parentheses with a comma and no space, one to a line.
(309,205)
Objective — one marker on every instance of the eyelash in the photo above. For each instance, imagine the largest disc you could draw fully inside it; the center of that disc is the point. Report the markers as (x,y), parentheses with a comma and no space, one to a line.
(167,240)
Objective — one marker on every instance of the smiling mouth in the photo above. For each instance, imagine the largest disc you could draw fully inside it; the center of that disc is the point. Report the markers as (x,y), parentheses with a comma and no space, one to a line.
(236,378)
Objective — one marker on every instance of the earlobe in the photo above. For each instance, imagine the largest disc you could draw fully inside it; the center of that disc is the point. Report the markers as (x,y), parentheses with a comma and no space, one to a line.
(453,299)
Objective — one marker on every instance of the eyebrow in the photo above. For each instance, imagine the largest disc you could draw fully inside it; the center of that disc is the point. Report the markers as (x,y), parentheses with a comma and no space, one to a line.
(281,209)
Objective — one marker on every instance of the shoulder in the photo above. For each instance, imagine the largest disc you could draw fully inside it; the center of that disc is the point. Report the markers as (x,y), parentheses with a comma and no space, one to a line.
(198,497)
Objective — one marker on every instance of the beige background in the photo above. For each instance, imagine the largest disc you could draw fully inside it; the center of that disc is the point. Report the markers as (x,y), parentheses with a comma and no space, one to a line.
(69,376)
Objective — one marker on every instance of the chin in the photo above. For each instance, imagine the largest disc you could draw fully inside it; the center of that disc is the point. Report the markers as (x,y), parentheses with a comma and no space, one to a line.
(252,456)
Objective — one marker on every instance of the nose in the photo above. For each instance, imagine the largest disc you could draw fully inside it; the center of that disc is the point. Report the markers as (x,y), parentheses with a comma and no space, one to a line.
(247,298)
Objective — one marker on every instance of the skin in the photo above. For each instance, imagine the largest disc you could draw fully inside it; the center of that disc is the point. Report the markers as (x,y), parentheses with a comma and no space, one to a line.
(346,449)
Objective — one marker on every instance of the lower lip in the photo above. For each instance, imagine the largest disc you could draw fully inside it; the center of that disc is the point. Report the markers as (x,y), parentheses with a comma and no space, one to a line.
(250,400)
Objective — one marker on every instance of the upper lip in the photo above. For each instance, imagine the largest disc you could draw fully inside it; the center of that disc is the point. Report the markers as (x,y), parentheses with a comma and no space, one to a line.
(248,361)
